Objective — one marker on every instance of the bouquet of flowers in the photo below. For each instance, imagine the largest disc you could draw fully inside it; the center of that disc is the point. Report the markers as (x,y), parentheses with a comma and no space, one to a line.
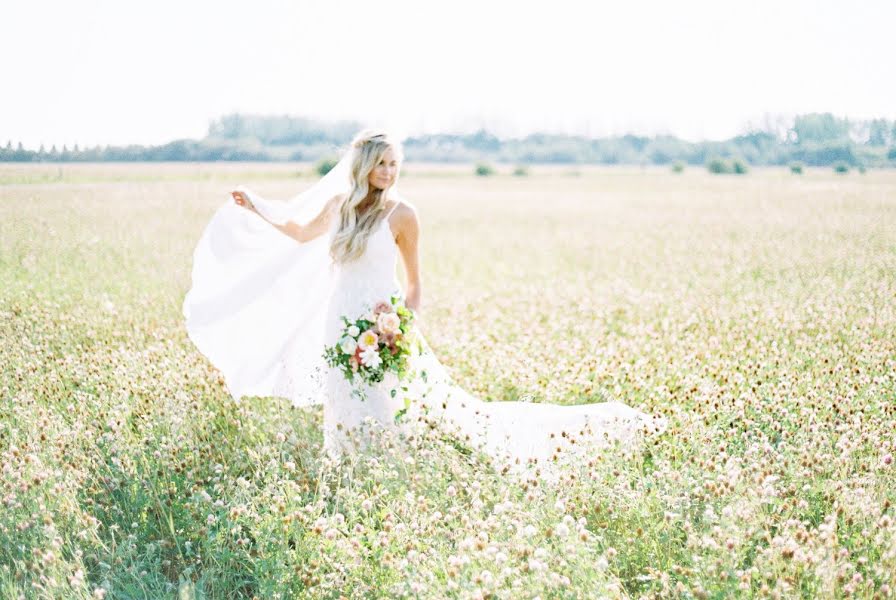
(378,342)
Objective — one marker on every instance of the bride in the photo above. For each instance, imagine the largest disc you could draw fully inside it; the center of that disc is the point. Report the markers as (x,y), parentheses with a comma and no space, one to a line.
(271,281)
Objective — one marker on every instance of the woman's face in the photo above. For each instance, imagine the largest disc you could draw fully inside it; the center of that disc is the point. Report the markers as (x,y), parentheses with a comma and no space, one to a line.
(384,172)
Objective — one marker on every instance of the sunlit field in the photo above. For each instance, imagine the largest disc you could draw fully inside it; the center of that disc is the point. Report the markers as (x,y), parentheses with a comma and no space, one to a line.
(756,312)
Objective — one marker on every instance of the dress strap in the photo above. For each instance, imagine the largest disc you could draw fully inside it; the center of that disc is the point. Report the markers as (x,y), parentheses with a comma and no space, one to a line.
(392,210)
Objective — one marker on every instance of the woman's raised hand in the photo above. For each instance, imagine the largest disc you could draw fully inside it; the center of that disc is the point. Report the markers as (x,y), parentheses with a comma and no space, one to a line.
(242,199)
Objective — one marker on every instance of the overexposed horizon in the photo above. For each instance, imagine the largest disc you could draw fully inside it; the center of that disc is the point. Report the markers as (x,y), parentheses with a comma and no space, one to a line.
(104,72)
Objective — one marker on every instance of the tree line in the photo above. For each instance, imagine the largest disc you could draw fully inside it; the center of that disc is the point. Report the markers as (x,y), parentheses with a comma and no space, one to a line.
(816,139)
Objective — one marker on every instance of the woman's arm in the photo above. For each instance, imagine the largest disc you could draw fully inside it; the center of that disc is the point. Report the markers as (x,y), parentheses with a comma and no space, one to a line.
(301,233)
(408,244)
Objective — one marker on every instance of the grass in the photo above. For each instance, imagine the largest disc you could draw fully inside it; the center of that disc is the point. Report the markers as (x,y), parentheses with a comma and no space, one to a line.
(756,313)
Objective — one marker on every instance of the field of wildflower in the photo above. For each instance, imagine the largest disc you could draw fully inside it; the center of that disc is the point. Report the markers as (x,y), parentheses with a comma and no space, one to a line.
(756,312)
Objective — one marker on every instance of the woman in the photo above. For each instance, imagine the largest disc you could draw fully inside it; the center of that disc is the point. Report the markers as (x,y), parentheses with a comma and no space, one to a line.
(262,309)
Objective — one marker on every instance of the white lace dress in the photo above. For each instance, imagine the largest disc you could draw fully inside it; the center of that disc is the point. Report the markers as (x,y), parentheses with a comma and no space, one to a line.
(522,436)
(358,287)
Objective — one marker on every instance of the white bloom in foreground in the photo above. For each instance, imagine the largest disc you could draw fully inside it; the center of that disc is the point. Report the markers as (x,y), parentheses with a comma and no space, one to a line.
(348,345)
(353,331)
(371,358)
(536,565)
(368,340)
(389,322)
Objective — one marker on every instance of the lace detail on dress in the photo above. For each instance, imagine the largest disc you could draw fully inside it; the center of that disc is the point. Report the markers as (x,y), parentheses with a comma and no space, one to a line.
(301,375)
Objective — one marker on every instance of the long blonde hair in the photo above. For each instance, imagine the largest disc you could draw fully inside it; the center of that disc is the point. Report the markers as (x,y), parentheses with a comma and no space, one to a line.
(360,212)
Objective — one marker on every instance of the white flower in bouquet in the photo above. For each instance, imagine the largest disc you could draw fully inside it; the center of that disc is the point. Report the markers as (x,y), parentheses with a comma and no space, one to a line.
(368,340)
(353,331)
(371,358)
(348,345)
(389,323)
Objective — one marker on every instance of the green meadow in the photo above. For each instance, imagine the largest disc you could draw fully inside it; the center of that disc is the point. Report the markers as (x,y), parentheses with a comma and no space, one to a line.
(756,312)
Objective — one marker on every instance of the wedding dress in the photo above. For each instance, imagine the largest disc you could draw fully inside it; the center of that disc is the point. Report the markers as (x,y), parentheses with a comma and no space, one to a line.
(513,433)
(262,308)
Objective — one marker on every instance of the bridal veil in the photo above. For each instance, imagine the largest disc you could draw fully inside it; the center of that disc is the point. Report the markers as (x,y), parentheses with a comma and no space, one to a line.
(258,300)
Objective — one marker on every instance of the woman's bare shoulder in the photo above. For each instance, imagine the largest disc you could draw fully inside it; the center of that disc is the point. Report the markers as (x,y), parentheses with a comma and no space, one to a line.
(404,221)
(405,210)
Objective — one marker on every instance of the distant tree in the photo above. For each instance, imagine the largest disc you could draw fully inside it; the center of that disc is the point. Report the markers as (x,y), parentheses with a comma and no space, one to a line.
(718,166)
(677,166)
(484,169)
(636,142)
(841,167)
(228,126)
(796,168)
(325,165)
(821,154)
(739,167)
(521,171)
(859,131)
(282,130)
(817,139)
(820,127)
(20,155)
(663,150)
(775,125)
(878,132)
(483,140)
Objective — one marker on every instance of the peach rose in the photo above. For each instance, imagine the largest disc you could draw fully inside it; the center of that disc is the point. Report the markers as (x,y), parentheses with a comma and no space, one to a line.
(389,323)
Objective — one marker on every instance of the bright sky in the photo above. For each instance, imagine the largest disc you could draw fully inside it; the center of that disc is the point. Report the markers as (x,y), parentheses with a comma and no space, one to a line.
(118,72)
